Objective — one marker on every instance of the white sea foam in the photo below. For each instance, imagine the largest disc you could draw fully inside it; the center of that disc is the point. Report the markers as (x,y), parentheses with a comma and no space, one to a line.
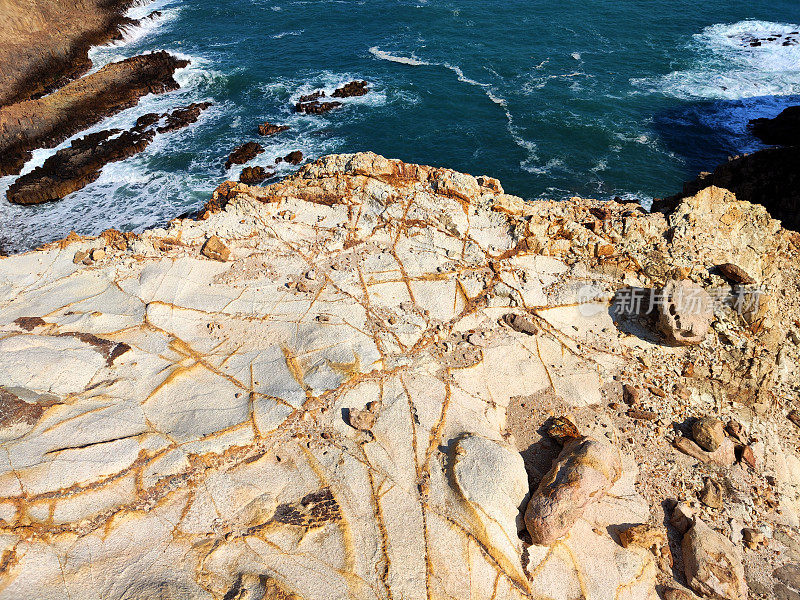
(131,36)
(403,60)
(282,34)
(726,67)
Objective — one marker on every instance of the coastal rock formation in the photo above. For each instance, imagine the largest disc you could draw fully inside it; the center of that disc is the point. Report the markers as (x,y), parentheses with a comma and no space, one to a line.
(46,122)
(244,153)
(44,44)
(254,175)
(179,412)
(783,130)
(768,177)
(73,168)
(312,105)
(268,128)
(348,90)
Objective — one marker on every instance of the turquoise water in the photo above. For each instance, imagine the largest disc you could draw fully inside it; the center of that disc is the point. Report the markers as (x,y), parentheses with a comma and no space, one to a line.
(598,98)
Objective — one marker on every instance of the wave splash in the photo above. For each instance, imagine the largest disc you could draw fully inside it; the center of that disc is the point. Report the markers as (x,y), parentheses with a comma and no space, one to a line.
(734,61)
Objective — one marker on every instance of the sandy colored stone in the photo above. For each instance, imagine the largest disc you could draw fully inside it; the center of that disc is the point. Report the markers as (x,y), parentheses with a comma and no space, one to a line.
(712,563)
(684,312)
(215,249)
(708,433)
(583,472)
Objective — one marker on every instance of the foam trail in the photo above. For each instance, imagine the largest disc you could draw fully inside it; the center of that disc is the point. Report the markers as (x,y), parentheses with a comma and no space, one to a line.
(487,88)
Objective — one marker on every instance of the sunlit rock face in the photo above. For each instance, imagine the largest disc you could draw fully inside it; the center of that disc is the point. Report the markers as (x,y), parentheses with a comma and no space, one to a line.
(179,427)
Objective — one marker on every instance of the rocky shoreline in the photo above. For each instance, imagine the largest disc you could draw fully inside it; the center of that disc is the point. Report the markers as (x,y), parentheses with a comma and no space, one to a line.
(378,379)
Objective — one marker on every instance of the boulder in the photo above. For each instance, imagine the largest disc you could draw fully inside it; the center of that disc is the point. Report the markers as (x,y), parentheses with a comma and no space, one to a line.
(244,153)
(684,312)
(709,433)
(267,128)
(712,563)
(583,472)
(215,249)
(348,90)
(254,175)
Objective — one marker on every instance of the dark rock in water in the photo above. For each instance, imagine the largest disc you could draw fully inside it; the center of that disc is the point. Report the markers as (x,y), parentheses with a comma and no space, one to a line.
(254,175)
(268,128)
(769,177)
(783,130)
(73,168)
(46,122)
(354,88)
(316,107)
(311,97)
(183,117)
(293,158)
(244,153)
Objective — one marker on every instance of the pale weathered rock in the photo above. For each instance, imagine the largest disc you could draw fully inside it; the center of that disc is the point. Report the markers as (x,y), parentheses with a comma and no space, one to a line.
(584,471)
(684,312)
(708,433)
(644,535)
(365,419)
(678,594)
(724,456)
(712,564)
(179,430)
(682,517)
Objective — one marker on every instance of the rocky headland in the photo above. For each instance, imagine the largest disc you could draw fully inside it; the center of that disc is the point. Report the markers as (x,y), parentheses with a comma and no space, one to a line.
(376,379)
(44,44)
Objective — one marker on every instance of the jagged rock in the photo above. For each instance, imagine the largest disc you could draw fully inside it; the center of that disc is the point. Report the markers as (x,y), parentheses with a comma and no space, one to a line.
(684,312)
(46,122)
(254,175)
(293,158)
(682,517)
(73,168)
(348,90)
(364,419)
(215,249)
(644,536)
(753,537)
(768,177)
(584,471)
(712,564)
(678,594)
(268,128)
(244,153)
(315,107)
(735,274)
(562,430)
(711,494)
(708,433)
(783,130)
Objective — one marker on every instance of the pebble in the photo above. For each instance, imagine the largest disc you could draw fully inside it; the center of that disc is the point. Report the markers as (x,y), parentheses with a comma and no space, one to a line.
(711,494)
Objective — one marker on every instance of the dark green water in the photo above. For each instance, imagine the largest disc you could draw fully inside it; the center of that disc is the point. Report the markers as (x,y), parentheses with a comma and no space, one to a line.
(597,98)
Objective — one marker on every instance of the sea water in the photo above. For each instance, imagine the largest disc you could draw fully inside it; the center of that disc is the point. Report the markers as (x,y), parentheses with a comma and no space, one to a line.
(599,98)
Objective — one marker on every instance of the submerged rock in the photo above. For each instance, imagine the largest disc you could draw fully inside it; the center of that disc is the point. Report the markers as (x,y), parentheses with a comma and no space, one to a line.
(584,471)
(267,129)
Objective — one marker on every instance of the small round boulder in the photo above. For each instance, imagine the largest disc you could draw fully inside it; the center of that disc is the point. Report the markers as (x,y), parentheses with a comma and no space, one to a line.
(709,433)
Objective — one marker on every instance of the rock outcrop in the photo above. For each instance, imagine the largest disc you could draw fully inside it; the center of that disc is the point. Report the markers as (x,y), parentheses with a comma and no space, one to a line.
(44,44)
(48,121)
(783,130)
(319,390)
(244,153)
(73,168)
(768,177)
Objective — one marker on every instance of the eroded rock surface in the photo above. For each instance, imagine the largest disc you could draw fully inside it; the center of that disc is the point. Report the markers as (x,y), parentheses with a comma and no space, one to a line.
(175,425)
